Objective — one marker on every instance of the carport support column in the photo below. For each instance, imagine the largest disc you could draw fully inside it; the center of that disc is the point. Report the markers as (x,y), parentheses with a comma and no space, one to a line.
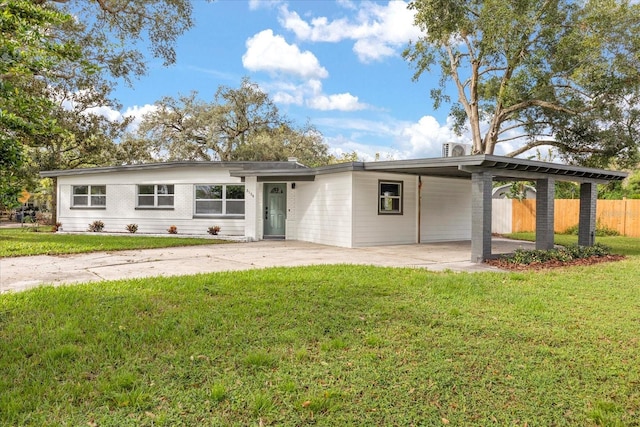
(587,218)
(545,200)
(481,186)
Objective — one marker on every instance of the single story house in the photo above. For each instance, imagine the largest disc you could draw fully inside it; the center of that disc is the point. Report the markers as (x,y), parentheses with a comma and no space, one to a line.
(350,205)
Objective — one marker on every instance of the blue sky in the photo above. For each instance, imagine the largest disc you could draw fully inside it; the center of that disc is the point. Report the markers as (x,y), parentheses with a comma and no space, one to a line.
(336,63)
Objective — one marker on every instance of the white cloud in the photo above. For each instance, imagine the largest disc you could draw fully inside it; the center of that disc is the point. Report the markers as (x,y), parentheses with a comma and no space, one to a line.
(138,113)
(378,30)
(425,138)
(310,93)
(271,53)
(263,4)
(341,101)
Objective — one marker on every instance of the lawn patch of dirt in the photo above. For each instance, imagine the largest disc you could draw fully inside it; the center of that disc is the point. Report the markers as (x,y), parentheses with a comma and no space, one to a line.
(507,265)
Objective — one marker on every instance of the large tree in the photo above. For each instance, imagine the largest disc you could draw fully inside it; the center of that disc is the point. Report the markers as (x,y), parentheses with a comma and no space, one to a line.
(60,62)
(240,124)
(537,72)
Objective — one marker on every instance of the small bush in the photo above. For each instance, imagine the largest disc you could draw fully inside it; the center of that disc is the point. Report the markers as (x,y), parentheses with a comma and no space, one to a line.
(601,230)
(132,228)
(96,226)
(172,230)
(214,230)
(568,253)
(56,227)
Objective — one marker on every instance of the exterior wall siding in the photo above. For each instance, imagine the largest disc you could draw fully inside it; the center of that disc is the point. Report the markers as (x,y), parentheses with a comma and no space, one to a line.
(120,208)
(446,209)
(323,210)
(372,229)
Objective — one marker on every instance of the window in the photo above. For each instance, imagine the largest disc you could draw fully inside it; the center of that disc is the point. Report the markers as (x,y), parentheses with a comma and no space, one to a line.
(390,197)
(89,196)
(220,199)
(155,196)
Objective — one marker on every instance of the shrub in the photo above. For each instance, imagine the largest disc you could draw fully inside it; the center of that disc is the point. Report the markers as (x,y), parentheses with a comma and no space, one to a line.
(568,253)
(96,226)
(56,227)
(213,230)
(172,230)
(132,228)
(601,230)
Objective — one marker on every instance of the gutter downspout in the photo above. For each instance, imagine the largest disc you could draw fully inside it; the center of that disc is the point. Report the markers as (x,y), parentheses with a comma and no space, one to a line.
(419,206)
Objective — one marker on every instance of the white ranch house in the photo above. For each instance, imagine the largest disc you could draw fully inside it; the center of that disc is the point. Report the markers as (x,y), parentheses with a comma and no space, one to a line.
(349,205)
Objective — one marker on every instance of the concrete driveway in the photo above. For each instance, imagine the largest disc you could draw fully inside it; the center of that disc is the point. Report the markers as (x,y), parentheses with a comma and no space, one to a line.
(26,272)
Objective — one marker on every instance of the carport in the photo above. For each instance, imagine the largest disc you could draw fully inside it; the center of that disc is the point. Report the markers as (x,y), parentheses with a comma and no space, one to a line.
(482,170)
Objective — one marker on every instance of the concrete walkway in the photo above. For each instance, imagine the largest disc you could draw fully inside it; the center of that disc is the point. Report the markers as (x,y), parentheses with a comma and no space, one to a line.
(26,272)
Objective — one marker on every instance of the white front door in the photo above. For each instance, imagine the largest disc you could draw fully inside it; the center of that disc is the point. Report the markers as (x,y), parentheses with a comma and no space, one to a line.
(275,209)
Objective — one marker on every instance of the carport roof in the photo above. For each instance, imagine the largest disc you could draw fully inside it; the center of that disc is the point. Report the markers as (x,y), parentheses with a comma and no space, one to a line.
(501,168)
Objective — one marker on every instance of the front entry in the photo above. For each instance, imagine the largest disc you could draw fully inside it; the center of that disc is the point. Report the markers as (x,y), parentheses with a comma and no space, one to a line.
(275,210)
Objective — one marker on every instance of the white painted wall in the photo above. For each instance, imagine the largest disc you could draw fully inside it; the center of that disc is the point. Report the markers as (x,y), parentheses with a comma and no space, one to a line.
(323,209)
(121,201)
(372,229)
(446,209)
(501,216)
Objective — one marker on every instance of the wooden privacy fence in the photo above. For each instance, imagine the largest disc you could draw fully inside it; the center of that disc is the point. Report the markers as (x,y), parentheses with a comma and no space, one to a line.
(620,215)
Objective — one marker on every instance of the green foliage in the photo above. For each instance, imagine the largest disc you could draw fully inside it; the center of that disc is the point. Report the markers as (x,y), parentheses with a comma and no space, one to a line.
(601,230)
(240,124)
(268,347)
(559,73)
(564,254)
(96,226)
(132,228)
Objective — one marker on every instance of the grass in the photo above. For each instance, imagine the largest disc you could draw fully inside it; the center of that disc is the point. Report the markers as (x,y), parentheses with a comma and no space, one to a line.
(19,242)
(327,345)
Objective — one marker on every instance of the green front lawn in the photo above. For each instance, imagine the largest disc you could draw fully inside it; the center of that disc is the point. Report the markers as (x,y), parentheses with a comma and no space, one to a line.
(327,345)
(20,242)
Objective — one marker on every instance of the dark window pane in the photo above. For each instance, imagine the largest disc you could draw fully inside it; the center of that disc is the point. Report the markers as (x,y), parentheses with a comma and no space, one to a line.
(98,190)
(235,192)
(146,189)
(389,189)
(81,189)
(98,200)
(165,189)
(80,200)
(235,207)
(210,207)
(165,200)
(145,201)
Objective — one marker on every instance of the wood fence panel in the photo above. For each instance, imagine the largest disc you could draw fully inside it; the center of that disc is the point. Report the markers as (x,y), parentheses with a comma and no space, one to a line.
(566,214)
(524,215)
(620,215)
(632,218)
(611,214)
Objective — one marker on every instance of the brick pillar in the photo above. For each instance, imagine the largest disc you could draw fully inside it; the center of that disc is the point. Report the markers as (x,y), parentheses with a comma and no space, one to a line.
(545,200)
(481,186)
(587,221)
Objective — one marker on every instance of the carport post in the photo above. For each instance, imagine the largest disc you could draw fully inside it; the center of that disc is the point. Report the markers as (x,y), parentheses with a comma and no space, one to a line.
(545,200)
(481,186)
(587,218)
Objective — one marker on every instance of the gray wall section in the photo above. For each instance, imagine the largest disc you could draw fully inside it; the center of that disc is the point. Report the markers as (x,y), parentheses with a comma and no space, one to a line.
(587,218)
(481,205)
(544,213)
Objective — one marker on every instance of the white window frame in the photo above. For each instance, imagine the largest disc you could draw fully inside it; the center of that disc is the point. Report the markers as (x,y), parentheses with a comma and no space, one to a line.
(89,197)
(156,196)
(390,204)
(223,201)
